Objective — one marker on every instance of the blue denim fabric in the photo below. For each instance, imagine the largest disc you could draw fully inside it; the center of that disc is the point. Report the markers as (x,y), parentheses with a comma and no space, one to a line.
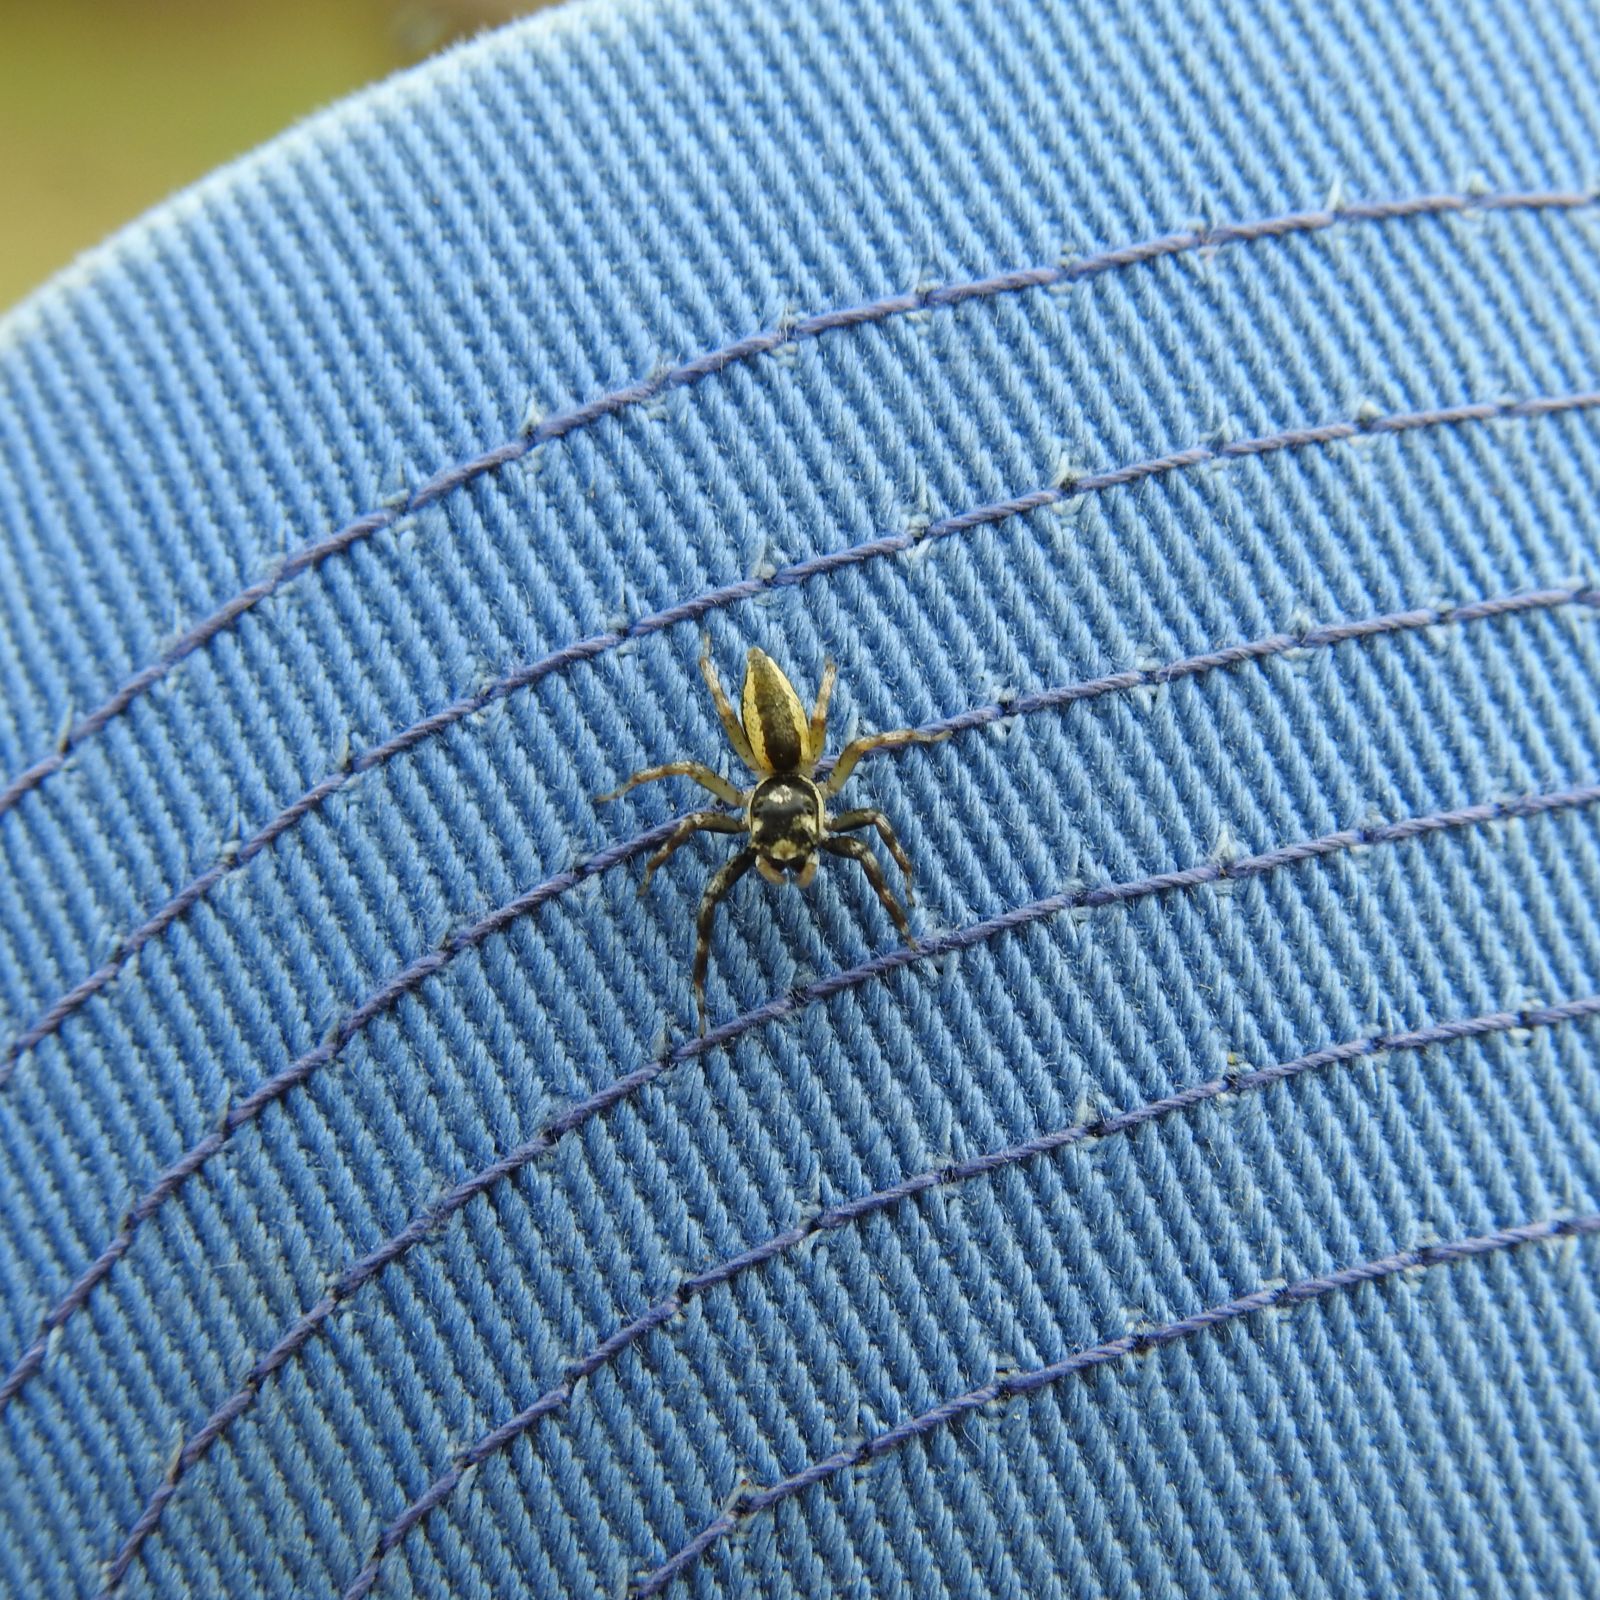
(556,214)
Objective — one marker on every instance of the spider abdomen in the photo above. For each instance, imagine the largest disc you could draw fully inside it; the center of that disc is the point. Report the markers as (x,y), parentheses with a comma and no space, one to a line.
(774,720)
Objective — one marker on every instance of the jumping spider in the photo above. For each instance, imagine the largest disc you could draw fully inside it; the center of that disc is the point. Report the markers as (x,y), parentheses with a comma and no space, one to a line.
(784,812)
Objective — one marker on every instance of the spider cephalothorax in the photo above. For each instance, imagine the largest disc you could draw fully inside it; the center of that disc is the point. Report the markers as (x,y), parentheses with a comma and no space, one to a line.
(785,813)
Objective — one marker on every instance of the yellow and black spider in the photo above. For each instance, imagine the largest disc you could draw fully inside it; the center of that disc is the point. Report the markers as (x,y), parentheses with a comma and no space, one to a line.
(785,811)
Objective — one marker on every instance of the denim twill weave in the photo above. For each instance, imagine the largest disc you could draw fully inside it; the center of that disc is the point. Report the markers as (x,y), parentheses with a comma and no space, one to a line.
(553,215)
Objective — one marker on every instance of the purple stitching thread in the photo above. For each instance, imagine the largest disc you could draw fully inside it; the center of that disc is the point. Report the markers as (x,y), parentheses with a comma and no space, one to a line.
(800,572)
(560,424)
(415,973)
(1002,1390)
(851,1211)
(409,978)
(581,1112)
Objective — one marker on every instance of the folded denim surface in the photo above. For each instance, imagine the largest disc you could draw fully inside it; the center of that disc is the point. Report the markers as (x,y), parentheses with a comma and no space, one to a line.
(552,223)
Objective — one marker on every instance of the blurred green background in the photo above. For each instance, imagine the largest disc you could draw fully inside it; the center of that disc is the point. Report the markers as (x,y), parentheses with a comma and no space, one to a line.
(107,105)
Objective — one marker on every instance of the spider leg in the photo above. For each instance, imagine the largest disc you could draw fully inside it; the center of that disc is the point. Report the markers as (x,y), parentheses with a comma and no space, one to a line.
(817,735)
(870,817)
(857,850)
(698,770)
(728,875)
(695,822)
(731,724)
(853,752)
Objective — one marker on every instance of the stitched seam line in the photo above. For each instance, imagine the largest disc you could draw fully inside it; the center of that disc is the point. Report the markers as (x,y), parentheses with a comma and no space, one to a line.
(406,981)
(581,1112)
(51,1021)
(859,1209)
(560,424)
(1003,1390)
(412,976)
